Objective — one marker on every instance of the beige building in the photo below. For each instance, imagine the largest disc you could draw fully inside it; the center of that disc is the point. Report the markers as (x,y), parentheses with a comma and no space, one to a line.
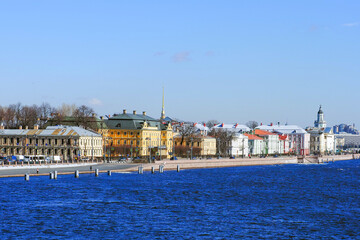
(65,141)
(198,145)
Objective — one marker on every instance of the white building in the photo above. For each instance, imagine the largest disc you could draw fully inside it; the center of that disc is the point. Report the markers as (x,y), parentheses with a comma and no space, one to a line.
(239,146)
(299,139)
(272,142)
(322,138)
(256,144)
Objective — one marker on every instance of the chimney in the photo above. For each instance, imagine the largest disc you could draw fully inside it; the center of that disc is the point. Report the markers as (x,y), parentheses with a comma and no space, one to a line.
(134,112)
(124,111)
(36,127)
(26,127)
(144,113)
(20,127)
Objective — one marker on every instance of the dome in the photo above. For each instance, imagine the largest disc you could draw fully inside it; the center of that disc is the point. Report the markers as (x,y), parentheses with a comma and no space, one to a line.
(320,110)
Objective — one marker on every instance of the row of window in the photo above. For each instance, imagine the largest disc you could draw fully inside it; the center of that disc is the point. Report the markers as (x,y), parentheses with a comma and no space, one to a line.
(137,143)
(37,141)
(90,141)
(37,151)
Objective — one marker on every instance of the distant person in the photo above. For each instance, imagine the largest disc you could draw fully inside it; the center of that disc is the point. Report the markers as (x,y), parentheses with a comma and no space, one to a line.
(90,168)
(37,171)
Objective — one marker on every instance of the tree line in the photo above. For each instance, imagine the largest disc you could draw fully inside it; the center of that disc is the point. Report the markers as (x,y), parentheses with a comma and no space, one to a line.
(17,115)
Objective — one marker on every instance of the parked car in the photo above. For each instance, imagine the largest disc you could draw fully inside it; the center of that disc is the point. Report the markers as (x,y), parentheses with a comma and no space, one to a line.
(3,160)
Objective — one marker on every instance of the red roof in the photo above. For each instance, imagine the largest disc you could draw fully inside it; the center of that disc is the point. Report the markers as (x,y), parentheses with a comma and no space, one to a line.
(283,137)
(263,132)
(253,137)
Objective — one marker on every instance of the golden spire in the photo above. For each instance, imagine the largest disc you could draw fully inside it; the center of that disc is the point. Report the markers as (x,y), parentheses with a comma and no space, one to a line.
(163,107)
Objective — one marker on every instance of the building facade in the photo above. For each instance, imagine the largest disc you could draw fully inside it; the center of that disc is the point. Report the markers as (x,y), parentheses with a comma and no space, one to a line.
(272,144)
(138,135)
(196,145)
(65,141)
(322,138)
(256,145)
(238,146)
(298,138)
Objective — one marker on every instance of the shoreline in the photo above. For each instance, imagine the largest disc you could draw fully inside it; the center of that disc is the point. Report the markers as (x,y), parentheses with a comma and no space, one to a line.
(171,165)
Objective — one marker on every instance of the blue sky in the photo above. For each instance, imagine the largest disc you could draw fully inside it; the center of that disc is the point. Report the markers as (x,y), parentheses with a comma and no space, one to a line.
(233,61)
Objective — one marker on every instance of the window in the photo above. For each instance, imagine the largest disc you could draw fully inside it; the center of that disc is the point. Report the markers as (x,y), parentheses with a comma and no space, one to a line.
(118,133)
(131,133)
(124,142)
(118,125)
(124,133)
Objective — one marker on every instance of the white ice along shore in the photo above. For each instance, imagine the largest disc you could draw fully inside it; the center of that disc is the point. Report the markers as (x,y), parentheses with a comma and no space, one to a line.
(11,167)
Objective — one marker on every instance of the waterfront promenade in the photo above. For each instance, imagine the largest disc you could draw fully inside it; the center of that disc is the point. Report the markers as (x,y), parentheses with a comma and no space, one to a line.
(19,171)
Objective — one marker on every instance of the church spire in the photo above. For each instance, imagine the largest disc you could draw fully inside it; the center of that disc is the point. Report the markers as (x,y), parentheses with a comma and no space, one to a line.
(163,107)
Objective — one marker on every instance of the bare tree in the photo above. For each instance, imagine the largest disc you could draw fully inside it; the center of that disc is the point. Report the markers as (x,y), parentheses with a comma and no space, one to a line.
(28,116)
(10,116)
(223,139)
(83,117)
(252,124)
(46,111)
(212,123)
(2,114)
(66,110)
(186,131)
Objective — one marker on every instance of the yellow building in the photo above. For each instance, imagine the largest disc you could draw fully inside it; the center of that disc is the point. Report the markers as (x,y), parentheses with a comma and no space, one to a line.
(197,145)
(137,135)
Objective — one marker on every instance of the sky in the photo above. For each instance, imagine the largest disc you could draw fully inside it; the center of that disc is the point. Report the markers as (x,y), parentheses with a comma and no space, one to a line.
(232,61)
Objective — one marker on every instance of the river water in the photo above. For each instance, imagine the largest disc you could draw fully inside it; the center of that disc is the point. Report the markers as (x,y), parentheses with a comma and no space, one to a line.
(257,202)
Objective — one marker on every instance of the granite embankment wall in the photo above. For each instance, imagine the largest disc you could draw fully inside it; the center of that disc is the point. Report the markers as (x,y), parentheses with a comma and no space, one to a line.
(217,163)
(328,158)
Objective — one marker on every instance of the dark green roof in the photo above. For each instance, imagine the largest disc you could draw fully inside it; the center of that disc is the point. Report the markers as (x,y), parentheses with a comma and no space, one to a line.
(131,121)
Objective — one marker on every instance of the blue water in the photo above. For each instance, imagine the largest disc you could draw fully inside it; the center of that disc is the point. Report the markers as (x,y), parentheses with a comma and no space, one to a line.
(258,202)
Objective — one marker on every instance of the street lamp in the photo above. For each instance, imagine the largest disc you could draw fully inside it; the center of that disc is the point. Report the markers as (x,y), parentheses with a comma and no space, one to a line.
(35,145)
(191,139)
(149,139)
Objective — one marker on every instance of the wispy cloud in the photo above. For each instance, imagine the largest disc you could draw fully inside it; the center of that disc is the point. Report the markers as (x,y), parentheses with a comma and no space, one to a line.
(313,28)
(354,24)
(159,53)
(95,102)
(181,56)
(209,54)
